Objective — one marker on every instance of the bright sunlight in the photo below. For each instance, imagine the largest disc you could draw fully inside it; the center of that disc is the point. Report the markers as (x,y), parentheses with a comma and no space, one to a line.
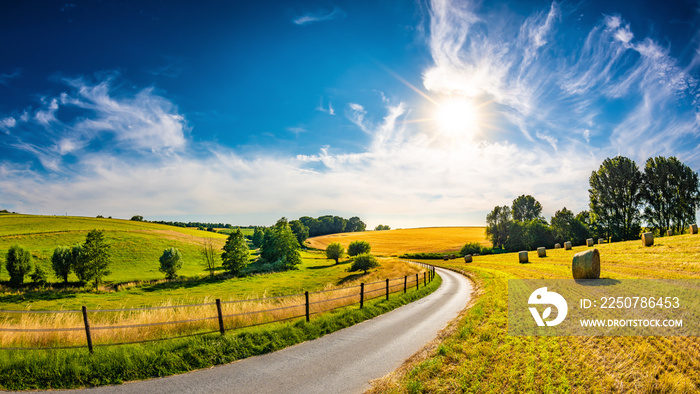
(457,117)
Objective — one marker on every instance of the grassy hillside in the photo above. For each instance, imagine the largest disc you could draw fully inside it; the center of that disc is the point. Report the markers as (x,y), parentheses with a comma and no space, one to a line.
(135,246)
(479,356)
(414,240)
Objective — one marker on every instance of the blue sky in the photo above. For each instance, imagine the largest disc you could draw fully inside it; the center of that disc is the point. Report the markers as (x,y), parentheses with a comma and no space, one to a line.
(403,113)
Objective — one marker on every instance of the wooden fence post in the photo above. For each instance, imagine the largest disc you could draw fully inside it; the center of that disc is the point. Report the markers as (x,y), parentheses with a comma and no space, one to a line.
(425,281)
(416,280)
(87,328)
(387,289)
(222,330)
(308,317)
(362,295)
(405,282)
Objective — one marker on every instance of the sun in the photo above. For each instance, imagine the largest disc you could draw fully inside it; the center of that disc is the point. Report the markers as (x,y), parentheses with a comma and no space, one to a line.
(457,117)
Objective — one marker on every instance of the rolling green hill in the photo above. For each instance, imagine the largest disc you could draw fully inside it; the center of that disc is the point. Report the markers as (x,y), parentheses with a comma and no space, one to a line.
(135,246)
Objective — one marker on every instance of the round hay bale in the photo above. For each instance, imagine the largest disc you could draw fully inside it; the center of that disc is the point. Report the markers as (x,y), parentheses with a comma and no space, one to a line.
(693,228)
(669,232)
(445,258)
(541,252)
(586,264)
(648,239)
(522,257)
(589,242)
(567,245)
(601,241)
(468,258)
(557,246)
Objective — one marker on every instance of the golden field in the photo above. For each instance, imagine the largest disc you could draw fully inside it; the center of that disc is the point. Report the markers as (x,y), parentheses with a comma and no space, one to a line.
(412,240)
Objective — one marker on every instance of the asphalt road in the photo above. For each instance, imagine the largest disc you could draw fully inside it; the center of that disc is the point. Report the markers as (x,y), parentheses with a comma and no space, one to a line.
(341,362)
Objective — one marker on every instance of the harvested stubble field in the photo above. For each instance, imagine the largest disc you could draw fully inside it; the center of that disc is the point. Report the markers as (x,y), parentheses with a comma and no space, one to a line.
(413,240)
(477,355)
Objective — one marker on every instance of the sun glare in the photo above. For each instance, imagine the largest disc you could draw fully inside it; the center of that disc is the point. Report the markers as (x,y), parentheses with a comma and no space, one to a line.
(457,117)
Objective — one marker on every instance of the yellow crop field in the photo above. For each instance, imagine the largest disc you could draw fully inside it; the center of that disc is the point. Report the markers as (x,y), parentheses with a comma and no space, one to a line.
(413,240)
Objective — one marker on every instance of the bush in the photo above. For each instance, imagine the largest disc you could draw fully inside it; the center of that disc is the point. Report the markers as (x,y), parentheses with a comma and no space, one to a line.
(358,247)
(470,248)
(364,262)
(335,251)
(18,263)
(170,263)
(39,277)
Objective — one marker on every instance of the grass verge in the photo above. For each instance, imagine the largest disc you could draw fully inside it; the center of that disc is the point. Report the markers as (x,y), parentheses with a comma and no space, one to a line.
(62,369)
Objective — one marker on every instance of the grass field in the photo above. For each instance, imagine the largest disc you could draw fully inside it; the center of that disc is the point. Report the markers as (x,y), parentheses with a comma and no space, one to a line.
(477,355)
(414,240)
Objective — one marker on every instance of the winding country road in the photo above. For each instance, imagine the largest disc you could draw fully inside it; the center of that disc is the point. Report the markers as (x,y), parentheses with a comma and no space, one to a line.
(341,362)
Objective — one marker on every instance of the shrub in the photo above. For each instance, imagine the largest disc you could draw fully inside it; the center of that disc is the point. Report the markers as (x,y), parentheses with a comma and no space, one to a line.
(18,263)
(170,263)
(358,247)
(364,262)
(39,276)
(470,248)
(335,251)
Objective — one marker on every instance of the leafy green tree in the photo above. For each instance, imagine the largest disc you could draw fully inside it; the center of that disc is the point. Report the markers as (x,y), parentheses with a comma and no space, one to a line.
(526,208)
(671,193)
(137,218)
(355,224)
(93,263)
(615,198)
(358,247)
(566,227)
(335,251)
(382,227)
(258,236)
(498,225)
(301,232)
(280,246)
(170,262)
(62,262)
(236,253)
(18,263)
(39,276)
(364,262)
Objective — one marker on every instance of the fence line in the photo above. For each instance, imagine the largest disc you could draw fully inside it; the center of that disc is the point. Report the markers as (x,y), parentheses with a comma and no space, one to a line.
(366,292)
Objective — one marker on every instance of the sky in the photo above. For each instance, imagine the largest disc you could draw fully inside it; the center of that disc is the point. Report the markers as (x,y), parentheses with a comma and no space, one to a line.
(404,113)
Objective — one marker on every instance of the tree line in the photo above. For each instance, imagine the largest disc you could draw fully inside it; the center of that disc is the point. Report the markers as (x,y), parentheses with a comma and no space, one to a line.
(664,196)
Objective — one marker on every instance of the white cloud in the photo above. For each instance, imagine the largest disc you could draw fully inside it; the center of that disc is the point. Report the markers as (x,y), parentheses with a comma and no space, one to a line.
(319,17)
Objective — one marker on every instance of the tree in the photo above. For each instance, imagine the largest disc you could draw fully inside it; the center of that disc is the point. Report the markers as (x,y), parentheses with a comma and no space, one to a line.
(301,232)
(671,194)
(18,263)
(170,262)
(364,262)
(497,225)
(236,253)
(335,251)
(62,262)
(94,259)
(615,198)
(280,246)
(382,227)
(567,227)
(209,255)
(526,208)
(137,218)
(355,224)
(38,276)
(258,236)
(358,247)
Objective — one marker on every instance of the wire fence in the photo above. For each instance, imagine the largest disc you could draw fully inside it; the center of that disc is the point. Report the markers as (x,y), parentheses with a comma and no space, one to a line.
(70,329)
